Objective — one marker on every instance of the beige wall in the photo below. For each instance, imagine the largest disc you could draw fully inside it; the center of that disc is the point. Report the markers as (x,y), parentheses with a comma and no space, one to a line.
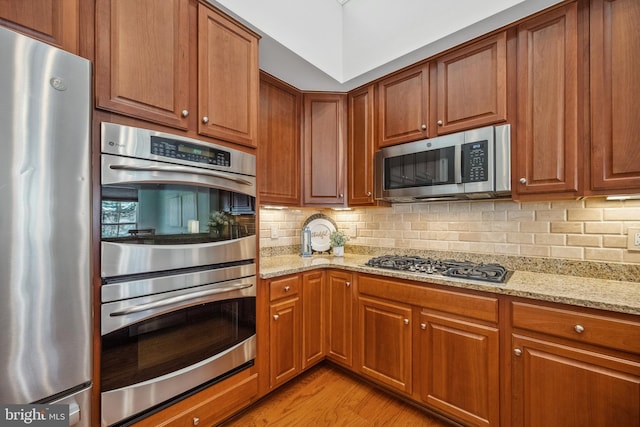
(587,230)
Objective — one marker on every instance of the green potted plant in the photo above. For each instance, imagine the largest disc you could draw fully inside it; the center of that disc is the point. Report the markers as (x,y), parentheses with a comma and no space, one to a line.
(338,239)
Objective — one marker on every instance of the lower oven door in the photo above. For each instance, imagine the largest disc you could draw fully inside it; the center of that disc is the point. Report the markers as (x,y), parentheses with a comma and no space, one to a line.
(157,347)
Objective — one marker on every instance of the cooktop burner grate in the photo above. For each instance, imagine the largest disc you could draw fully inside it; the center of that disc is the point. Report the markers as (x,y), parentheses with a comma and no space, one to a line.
(494,273)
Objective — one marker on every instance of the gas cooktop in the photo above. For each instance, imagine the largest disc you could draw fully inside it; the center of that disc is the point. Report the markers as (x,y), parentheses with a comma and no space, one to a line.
(494,273)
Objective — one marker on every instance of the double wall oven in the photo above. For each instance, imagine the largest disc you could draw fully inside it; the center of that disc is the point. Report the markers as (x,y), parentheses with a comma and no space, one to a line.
(178,248)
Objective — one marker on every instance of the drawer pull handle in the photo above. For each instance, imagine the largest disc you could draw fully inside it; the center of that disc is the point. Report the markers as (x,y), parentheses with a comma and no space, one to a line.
(517,352)
(196,421)
(579,329)
(287,288)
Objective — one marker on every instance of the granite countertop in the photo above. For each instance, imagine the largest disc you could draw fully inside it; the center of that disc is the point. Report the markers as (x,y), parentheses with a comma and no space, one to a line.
(612,295)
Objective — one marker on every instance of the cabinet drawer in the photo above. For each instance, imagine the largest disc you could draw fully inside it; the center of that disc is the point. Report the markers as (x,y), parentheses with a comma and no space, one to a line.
(285,287)
(588,328)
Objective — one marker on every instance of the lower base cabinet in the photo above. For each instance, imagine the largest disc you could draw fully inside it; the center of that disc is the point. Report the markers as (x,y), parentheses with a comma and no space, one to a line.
(339,318)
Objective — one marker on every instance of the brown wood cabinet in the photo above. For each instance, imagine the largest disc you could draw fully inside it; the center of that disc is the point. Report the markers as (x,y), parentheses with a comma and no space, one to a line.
(339,318)
(385,342)
(361,146)
(313,325)
(52,21)
(284,329)
(549,134)
(403,106)
(143,59)
(615,96)
(324,149)
(228,78)
(147,56)
(470,88)
(574,368)
(279,158)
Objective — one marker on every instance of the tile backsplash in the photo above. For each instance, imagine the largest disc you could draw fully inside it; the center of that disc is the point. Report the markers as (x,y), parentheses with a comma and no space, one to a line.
(585,230)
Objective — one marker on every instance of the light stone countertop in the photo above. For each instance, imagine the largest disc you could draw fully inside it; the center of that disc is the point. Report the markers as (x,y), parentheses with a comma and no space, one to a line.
(612,295)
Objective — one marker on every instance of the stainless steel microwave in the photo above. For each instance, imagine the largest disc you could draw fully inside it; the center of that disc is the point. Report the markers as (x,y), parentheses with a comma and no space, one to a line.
(475,164)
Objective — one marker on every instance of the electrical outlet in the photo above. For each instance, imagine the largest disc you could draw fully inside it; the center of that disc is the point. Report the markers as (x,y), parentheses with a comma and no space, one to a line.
(274,232)
(633,242)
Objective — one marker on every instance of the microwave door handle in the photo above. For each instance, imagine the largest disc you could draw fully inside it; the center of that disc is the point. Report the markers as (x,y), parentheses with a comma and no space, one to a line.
(458,163)
(178,169)
(177,299)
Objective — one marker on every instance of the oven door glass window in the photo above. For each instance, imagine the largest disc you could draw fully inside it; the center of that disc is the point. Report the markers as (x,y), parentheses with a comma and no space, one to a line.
(169,214)
(172,341)
(426,168)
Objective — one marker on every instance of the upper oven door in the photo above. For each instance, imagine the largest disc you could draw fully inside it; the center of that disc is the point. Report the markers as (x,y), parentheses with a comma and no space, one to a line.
(158,216)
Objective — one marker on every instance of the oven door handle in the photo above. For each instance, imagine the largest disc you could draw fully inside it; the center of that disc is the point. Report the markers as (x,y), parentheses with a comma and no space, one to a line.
(178,169)
(178,299)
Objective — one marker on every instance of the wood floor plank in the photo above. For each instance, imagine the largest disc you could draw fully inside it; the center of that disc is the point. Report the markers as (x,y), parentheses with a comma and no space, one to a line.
(327,396)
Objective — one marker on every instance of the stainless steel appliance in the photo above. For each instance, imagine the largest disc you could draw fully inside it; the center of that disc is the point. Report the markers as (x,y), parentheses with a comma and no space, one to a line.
(474,164)
(178,268)
(45,227)
(494,273)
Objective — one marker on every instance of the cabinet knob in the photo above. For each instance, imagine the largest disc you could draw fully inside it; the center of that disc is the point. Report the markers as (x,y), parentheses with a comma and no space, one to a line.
(276,317)
(205,120)
(406,321)
(196,421)
(347,284)
(185,113)
(341,195)
(423,326)
(423,127)
(579,329)
(440,122)
(287,288)
(523,180)
(368,193)
(517,352)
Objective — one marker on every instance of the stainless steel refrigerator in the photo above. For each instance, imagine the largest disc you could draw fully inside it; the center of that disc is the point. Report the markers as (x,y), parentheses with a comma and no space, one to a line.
(45,226)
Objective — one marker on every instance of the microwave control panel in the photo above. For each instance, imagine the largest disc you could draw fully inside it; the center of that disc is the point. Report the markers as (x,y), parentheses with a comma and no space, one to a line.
(175,149)
(475,161)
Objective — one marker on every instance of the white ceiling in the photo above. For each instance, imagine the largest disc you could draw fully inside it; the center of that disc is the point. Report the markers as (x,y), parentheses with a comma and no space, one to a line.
(337,45)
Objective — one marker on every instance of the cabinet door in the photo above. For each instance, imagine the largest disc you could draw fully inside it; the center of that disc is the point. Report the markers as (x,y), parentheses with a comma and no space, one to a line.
(556,385)
(142,59)
(312,318)
(472,86)
(52,21)
(339,330)
(324,150)
(279,143)
(615,95)
(361,146)
(547,146)
(228,79)
(403,107)
(385,342)
(458,368)
(284,341)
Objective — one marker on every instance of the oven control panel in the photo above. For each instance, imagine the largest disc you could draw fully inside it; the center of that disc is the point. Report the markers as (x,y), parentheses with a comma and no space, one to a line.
(175,149)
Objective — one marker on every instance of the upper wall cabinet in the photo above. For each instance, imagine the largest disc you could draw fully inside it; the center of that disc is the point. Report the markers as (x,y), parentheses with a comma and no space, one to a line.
(52,21)
(361,146)
(403,106)
(279,158)
(146,58)
(615,95)
(324,149)
(228,79)
(549,135)
(470,86)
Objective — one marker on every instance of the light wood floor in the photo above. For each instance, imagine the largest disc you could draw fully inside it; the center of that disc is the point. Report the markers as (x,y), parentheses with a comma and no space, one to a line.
(327,396)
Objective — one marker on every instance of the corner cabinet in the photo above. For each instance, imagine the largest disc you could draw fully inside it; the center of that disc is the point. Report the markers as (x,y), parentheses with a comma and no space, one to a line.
(361,146)
(52,21)
(339,318)
(574,368)
(324,149)
(313,325)
(471,86)
(403,106)
(615,96)
(279,160)
(549,129)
